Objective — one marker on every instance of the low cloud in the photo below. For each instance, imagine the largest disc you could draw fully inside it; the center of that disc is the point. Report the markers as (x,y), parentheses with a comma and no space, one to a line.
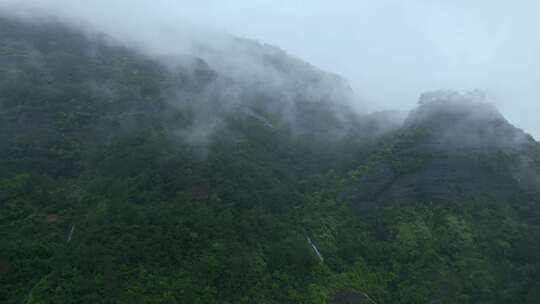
(390,51)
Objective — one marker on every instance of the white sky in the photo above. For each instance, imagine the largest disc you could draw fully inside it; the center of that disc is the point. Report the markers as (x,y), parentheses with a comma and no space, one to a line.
(389,50)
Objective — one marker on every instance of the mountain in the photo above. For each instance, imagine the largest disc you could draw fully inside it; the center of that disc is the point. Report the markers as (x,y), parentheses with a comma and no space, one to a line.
(452,148)
(239,174)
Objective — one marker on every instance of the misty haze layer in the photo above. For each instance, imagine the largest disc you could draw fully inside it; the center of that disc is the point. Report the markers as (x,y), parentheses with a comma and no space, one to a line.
(390,51)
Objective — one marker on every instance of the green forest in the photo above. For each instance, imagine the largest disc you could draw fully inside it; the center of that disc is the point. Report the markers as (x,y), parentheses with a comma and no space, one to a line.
(105,199)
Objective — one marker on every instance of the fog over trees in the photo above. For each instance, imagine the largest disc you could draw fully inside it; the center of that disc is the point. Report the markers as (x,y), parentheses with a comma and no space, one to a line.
(147,156)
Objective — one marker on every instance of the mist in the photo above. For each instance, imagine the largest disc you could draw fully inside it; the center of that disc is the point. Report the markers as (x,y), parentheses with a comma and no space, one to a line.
(390,51)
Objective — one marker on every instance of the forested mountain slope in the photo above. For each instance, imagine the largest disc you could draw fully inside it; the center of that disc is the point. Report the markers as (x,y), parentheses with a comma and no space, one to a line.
(132,178)
(451,148)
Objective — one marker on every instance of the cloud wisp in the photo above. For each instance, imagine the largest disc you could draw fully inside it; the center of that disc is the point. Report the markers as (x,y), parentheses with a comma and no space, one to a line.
(389,50)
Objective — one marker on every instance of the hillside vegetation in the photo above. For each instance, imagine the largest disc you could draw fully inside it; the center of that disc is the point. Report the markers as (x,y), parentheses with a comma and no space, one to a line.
(126,178)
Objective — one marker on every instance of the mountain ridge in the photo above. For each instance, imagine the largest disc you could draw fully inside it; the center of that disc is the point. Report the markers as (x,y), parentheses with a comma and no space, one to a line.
(129,178)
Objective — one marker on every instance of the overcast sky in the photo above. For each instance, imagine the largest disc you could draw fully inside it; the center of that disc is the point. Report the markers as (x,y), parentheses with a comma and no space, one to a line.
(389,50)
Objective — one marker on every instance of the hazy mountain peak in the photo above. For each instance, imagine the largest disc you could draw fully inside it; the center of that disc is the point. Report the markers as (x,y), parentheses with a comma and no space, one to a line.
(458,120)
